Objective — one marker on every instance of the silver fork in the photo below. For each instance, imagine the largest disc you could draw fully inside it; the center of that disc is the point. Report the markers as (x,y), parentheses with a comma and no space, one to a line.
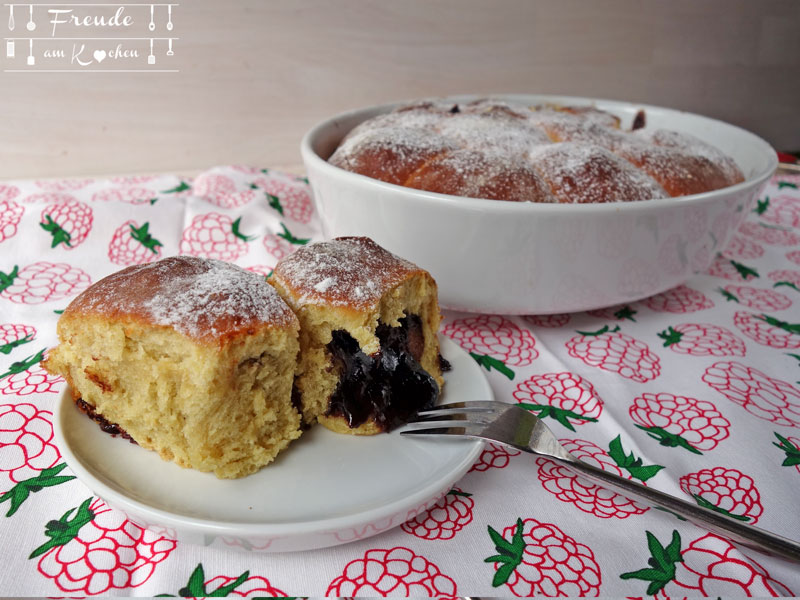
(514,426)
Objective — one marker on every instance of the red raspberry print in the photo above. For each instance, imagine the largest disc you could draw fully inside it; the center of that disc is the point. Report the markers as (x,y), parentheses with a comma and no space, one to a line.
(791,448)
(247,169)
(182,190)
(224,586)
(67,222)
(727,491)
(730,269)
(614,313)
(679,421)
(786,278)
(132,244)
(617,352)
(680,299)
(756,298)
(132,179)
(214,235)
(26,377)
(565,397)
(252,586)
(794,256)
(447,517)
(588,497)
(548,320)
(768,330)
(222,191)
(21,491)
(131,195)
(8,192)
(49,198)
(708,566)
(758,393)
(783,210)
(290,198)
(536,558)
(769,234)
(13,335)
(493,336)
(494,456)
(712,563)
(92,550)
(10,215)
(26,441)
(277,246)
(397,572)
(700,339)
(42,282)
(785,180)
(744,248)
(62,185)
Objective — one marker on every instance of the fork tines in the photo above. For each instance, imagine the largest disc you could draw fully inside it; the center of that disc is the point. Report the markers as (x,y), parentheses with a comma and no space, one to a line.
(471,409)
(456,418)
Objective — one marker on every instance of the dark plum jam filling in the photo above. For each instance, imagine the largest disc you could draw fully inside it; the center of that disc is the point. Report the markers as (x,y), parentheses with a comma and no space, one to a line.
(105,425)
(389,386)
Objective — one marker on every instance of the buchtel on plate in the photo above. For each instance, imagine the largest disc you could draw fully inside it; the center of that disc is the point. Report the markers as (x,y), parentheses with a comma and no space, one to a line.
(205,363)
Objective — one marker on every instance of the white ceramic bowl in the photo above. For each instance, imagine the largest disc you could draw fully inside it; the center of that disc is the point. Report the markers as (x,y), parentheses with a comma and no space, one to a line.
(524,258)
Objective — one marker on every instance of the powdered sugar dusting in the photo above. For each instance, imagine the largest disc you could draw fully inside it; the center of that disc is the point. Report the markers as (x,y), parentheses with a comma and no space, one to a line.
(343,272)
(323,285)
(476,131)
(443,147)
(690,145)
(583,173)
(200,298)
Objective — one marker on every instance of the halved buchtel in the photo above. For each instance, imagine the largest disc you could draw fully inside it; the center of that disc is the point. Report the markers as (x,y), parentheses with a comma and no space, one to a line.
(369,355)
(193,358)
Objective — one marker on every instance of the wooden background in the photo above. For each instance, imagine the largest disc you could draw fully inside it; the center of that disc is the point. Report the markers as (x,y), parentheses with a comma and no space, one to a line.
(256,74)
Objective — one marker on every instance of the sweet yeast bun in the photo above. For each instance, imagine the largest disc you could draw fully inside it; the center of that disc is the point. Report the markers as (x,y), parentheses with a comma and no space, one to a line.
(485,149)
(193,358)
(369,353)
(585,173)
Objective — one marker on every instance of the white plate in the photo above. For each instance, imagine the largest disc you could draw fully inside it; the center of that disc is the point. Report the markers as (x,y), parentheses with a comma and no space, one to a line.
(325,489)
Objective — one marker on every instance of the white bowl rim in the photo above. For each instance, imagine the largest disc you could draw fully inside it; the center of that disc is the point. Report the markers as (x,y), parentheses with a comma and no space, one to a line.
(309,154)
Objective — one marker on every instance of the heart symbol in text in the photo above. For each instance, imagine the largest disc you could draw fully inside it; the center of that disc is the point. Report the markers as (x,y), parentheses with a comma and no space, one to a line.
(99,55)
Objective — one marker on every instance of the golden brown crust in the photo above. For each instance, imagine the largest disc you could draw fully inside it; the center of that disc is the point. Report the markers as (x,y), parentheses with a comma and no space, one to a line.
(590,174)
(484,149)
(353,285)
(204,299)
(478,175)
(347,272)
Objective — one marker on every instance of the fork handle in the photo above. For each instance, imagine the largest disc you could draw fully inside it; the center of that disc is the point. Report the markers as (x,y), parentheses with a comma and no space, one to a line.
(718,523)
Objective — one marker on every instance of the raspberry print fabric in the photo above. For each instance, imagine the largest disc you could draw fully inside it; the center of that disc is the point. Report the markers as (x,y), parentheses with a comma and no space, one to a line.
(695,391)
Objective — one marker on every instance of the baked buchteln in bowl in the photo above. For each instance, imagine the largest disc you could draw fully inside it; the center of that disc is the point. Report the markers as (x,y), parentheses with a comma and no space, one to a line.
(192,358)
(369,355)
(563,245)
(502,150)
